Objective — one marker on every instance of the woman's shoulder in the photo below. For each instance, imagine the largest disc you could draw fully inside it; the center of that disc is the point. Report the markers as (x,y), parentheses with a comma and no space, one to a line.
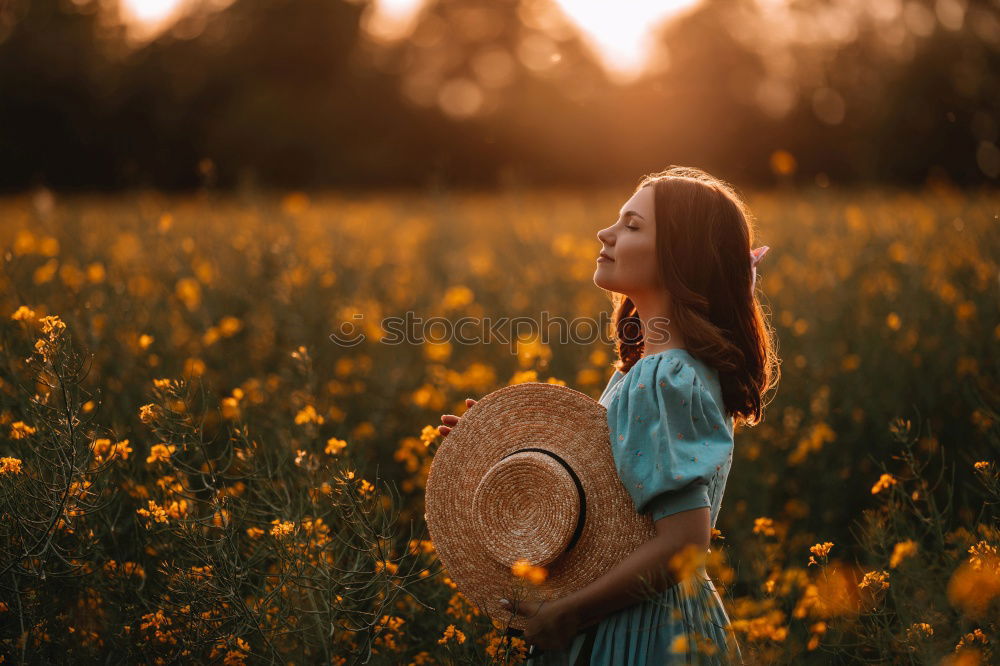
(671,368)
(670,379)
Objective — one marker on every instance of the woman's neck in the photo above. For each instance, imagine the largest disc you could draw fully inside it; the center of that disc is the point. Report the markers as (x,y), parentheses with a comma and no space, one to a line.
(658,329)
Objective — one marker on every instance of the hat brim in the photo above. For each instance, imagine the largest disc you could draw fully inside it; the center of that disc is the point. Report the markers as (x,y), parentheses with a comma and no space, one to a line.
(531,415)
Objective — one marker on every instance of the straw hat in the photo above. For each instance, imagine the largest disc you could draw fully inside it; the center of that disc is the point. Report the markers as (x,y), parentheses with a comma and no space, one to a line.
(528,474)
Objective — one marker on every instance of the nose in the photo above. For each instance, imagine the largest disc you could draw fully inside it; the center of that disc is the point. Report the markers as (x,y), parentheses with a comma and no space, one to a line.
(605,236)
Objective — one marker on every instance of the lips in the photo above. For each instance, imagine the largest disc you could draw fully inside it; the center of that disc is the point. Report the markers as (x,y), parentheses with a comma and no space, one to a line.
(602,254)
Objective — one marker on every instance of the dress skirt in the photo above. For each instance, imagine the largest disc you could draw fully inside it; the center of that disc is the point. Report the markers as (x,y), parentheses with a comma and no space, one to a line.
(685,624)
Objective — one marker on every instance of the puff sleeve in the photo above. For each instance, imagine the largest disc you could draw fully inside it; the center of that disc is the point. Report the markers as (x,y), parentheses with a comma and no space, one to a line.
(669,437)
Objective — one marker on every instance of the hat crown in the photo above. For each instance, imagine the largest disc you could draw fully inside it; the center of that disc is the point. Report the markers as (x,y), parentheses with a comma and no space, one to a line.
(527,506)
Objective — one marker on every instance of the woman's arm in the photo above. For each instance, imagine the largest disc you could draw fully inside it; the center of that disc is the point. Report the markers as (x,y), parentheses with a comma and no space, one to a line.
(627,583)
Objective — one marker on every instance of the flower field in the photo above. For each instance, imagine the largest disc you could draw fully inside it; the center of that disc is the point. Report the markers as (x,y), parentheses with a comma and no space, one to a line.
(213,451)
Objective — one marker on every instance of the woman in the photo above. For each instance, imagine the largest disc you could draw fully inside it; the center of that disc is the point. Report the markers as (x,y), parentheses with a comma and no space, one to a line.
(694,360)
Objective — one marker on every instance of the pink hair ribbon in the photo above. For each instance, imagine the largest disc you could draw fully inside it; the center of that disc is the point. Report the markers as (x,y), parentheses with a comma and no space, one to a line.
(756,256)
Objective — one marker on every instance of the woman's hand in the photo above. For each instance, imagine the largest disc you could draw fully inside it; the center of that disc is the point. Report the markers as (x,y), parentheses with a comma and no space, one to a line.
(450,420)
(551,624)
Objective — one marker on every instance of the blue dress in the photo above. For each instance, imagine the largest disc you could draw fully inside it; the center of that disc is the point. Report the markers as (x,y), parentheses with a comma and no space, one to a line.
(673,447)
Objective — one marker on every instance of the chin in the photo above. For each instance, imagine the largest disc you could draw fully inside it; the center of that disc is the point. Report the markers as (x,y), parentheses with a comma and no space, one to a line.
(601,282)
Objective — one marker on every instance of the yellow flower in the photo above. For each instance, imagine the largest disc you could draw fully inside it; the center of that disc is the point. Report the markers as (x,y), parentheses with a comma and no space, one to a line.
(21,430)
(160,453)
(52,325)
(429,434)
(308,414)
(524,376)
(437,352)
(451,633)
(977,636)
(883,482)
(281,528)
(763,526)
(875,581)
(229,326)
(230,408)
(102,448)
(10,466)
(382,565)
(822,550)
(161,514)
(501,646)
(819,550)
(254,532)
(147,413)
(982,555)
(901,551)
(919,630)
(533,574)
(24,313)
(680,644)
(334,446)
(194,367)
(122,450)
(188,291)
(457,297)
(685,563)
(975,585)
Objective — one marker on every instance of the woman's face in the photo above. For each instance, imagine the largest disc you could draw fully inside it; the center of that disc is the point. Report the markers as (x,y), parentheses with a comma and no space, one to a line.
(631,244)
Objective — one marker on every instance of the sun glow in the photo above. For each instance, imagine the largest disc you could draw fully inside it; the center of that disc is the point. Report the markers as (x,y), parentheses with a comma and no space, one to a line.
(150,11)
(621,32)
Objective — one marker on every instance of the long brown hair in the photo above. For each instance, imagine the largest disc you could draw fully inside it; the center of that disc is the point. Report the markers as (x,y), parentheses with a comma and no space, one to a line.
(704,234)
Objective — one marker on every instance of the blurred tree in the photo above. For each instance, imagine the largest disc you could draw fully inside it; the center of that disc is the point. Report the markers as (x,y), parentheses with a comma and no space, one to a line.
(58,65)
(518,83)
(270,91)
(293,93)
(943,106)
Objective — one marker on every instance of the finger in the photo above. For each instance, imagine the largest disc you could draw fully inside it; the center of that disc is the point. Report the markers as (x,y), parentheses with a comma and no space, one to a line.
(469,402)
(526,608)
(444,430)
(513,607)
(449,419)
